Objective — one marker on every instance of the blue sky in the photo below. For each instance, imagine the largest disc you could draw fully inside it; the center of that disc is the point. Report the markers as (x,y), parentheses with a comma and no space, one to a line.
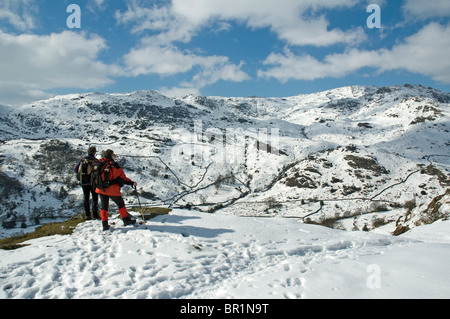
(219,47)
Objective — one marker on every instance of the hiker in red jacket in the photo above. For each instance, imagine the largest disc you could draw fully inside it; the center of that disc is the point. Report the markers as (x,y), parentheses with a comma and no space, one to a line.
(118,179)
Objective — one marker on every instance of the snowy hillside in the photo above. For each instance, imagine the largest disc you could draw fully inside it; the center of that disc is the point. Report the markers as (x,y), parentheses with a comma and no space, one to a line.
(353,158)
(366,162)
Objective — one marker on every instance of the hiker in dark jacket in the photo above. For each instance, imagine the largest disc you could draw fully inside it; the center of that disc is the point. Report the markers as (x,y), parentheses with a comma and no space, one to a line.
(117,175)
(85,180)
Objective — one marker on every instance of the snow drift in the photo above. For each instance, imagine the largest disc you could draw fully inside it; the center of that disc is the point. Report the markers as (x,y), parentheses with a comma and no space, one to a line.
(213,256)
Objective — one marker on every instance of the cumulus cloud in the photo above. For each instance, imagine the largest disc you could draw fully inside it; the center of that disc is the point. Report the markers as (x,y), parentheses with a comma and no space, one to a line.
(151,58)
(166,25)
(19,13)
(95,5)
(425,53)
(179,91)
(298,22)
(420,9)
(162,60)
(31,64)
(159,54)
(217,71)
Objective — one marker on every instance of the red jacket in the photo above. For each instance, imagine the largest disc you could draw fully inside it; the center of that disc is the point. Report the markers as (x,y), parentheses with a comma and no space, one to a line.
(119,176)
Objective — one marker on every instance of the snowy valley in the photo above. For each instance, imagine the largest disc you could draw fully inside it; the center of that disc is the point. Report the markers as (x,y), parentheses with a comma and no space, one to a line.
(252,181)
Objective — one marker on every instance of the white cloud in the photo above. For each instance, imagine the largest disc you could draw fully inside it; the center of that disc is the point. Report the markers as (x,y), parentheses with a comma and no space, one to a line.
(425,53)
(179,91)
(288,66)
(162,60)
(14,94)
(420,9)
(31,64)
(151,58)
(212,71)
(19,13)
(158,53)
(168,26)
(218,69)
(168,60)
(95,5)
(99,3)
(298,22)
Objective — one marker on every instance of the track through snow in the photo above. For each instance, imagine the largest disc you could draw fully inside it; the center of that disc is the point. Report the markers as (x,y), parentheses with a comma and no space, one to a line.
(195,255)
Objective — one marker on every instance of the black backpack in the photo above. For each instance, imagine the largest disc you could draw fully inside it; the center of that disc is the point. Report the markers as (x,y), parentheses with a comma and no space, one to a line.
(100,177)
(85,171)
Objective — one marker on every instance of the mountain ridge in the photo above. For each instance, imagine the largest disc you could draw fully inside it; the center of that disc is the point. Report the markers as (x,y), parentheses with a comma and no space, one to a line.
(332,152)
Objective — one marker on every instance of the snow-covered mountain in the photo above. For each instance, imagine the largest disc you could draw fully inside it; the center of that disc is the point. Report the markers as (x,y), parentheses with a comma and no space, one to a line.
(354,158)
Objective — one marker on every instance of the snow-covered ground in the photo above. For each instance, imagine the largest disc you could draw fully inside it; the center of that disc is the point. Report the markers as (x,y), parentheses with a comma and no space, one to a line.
(192,255)
(367,158)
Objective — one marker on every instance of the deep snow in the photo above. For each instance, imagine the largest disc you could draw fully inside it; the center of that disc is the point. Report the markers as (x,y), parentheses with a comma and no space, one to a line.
(215,256)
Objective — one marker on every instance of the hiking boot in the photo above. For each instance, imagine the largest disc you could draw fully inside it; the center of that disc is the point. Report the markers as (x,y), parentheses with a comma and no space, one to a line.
(96,216)
(128,221)
(105,225)
(88,216)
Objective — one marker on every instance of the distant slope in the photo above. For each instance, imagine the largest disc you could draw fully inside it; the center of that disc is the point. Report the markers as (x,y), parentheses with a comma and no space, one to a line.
(353,158)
